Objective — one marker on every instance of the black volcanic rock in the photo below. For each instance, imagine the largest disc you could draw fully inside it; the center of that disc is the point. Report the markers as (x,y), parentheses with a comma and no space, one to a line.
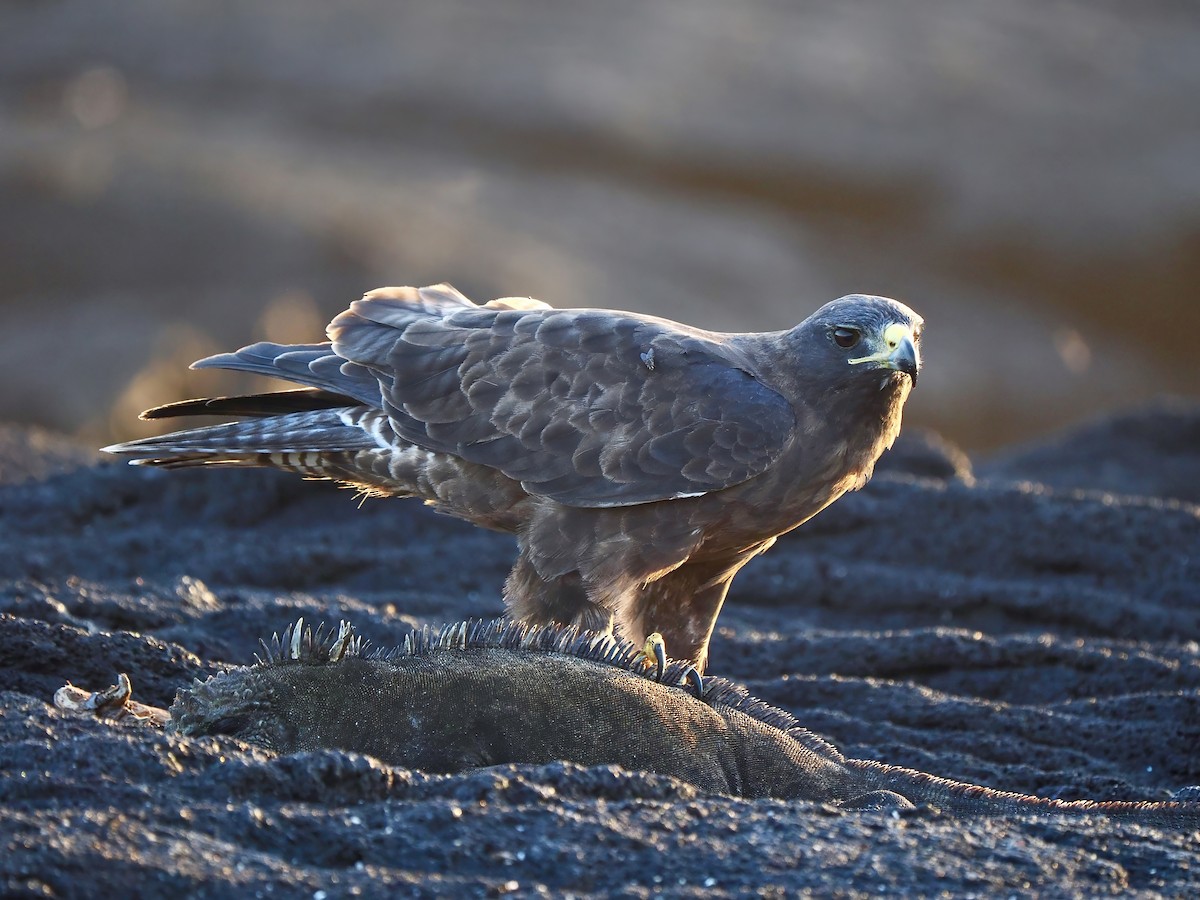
(1151,453)
(1035,627)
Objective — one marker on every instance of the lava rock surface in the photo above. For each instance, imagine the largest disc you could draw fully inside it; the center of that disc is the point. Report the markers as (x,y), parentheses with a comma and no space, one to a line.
(1029,622)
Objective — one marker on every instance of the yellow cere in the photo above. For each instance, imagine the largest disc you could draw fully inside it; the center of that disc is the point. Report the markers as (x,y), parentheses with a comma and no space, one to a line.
(892,336)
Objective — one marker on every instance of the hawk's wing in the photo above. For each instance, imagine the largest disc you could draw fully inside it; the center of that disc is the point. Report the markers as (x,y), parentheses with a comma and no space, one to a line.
(586,407)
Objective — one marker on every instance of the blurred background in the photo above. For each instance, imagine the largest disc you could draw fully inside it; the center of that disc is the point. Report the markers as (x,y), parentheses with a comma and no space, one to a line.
(179,177)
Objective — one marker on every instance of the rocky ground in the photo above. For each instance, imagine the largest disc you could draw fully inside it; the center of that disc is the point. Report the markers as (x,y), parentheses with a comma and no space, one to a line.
(1029,623)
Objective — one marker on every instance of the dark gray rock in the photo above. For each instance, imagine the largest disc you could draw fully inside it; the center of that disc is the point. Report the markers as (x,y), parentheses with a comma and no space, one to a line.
(1039,639)
(1151,453)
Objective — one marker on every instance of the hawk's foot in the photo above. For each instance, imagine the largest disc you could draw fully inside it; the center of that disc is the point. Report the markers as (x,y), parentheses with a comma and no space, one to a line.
(654,653)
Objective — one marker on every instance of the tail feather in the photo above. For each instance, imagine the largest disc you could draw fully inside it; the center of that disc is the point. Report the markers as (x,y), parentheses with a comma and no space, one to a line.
(274,403)
(249,460)
(262,441)
(338,407)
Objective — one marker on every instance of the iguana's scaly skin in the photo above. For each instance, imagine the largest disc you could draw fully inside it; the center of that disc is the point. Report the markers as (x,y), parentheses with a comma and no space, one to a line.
(484,693)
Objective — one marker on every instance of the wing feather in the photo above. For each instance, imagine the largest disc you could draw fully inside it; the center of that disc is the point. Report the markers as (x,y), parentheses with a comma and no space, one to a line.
(591,408)
(312,365)
(565,400)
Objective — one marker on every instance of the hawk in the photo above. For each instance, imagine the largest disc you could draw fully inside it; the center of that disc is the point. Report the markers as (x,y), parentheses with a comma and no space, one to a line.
(639,462)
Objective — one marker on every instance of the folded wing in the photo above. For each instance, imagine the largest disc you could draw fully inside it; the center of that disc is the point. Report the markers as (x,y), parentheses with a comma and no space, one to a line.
(587,407)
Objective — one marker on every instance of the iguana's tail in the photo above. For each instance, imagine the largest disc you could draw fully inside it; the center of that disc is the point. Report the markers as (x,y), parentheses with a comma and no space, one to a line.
(970,799)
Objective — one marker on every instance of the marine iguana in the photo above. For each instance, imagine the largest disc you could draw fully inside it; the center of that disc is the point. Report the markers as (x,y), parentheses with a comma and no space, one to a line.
(484,693)
(639,462)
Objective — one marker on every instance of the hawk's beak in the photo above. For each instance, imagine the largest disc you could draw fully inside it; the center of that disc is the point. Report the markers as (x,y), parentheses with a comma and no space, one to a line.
(905,358)
(899,352)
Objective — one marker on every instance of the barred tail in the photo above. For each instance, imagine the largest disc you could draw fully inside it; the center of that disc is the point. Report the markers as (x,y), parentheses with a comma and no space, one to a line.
(295,441)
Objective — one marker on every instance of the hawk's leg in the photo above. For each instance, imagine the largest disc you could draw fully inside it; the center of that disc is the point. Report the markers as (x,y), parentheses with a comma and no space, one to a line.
(540,601)
(684,616)
(683,605)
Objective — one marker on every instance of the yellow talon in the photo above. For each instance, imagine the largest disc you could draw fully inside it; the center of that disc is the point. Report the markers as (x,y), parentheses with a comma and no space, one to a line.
(654,652)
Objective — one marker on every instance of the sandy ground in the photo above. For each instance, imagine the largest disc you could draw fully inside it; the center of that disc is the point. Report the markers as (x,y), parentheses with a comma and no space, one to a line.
(1031,625)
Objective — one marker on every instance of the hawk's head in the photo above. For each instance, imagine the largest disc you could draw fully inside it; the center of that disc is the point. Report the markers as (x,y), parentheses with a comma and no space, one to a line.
(860,339)
(854,362)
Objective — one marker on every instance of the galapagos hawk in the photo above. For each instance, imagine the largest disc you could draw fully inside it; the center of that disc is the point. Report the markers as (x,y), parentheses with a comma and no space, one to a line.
(639,462)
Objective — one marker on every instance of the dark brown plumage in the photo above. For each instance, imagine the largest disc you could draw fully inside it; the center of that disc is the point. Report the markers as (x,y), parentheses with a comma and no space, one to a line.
(641,463)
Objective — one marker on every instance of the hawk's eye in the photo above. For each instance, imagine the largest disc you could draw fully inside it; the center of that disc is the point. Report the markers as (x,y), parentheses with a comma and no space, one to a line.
(846,337)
